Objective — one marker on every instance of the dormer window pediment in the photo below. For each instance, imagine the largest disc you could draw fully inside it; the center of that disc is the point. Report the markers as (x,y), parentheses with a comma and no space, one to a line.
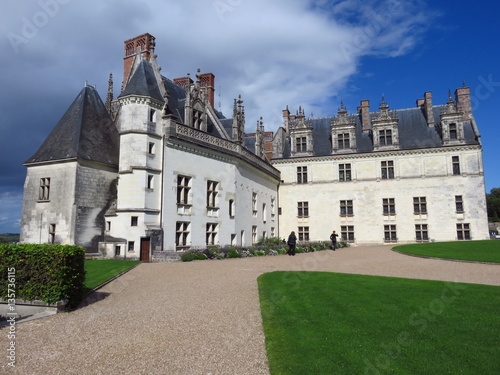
(343,132)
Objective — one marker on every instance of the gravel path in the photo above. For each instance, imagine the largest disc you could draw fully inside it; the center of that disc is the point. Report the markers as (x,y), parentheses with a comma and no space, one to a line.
(198,318)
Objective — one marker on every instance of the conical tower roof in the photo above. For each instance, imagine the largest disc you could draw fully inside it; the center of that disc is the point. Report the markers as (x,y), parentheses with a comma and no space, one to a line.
(143,82)
(85,131)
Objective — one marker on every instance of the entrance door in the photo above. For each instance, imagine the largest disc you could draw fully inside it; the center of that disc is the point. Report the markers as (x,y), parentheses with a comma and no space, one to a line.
(145,244)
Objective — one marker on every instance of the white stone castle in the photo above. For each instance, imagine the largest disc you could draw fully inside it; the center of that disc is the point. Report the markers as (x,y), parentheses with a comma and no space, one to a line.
(159,170)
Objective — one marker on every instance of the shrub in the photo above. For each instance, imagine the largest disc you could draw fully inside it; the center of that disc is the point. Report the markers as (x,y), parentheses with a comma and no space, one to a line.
(269,241)
(190,255)
(233,253)
(45,272)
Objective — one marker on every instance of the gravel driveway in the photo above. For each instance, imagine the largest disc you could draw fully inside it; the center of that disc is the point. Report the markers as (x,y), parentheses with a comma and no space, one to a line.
(198,318)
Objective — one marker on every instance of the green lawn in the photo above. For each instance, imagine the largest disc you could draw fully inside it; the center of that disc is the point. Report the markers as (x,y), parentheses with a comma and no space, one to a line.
(482,251)
(331,323)
(99,271)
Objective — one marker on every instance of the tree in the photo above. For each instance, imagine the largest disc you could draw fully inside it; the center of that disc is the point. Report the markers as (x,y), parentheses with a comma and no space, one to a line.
(493,204)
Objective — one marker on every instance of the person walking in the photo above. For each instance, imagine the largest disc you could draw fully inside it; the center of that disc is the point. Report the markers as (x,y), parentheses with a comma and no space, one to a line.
(292,241)
(333,238)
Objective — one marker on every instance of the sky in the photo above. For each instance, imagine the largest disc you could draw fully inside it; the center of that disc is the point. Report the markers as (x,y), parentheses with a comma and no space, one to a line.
(309,53)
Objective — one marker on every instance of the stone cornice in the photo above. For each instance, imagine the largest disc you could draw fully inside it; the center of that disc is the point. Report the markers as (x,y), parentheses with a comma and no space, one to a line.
(376,154)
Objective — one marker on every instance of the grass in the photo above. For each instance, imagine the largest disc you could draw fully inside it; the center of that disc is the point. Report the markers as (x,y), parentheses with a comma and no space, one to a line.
(100,271)
(481,251)
(331,323)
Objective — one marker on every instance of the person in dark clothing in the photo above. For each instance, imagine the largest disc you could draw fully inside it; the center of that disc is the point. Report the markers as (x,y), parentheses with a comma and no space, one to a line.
(292,241)
(333,238)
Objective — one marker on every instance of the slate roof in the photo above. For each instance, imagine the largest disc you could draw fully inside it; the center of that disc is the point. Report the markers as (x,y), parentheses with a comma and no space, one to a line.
(85,131)
(414,133)
(143,82)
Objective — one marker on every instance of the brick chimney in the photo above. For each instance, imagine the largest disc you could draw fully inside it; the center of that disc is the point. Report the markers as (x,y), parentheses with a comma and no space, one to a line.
(428,112)
(462,98)
(364,112)
(207,83)
(183,82)
(140,45)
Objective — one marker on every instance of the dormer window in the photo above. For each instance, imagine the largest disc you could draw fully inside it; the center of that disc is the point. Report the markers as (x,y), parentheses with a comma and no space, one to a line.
(385,137)
(453,131)
(343,141)
(301,144)
(343,131)
(385,128)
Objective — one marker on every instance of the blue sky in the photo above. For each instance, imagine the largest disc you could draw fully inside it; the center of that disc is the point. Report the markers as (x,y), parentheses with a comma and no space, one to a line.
(312,53)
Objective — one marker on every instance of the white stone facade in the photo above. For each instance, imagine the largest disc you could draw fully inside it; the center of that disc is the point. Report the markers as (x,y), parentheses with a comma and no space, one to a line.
(426,173)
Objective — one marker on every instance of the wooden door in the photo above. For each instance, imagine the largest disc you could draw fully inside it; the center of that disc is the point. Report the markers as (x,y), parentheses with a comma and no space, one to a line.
(145,244)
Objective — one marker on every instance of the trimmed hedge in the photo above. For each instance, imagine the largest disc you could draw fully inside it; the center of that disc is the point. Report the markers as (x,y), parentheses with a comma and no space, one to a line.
(44,272)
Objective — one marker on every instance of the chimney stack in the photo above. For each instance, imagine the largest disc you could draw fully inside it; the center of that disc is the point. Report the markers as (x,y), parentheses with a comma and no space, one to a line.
(140,45)
(207,83)
(364,111)
(462,98)
(428,112)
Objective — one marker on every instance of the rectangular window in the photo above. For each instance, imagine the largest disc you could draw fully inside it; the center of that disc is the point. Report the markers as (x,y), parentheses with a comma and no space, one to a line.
(118,250)
(134,221)
(108,226)
(44,192)
(131,245)
(211,234)
(343,141)
(385,137)
(231,208)
(456,165)
(301,144)
(254,204)
(183,188)
(302,175)
(453,131)
(421,233)
(273,208)
(390,233)
(387,169)
(345,172)
(273,232)
(150,182)
(303,233)
(419,205)
(463,231)
(182,234)
(151,148)
(212,191)
(264,212)
(303,209)
(347,233)
(52,233)
(346,208)
(254,234)
(152,113)
(389,206)
(459,203)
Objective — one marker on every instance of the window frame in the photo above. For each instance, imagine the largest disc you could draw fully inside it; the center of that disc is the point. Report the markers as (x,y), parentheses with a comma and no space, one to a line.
(387,169)
(419,205)
(303,209)
(346,207)
(345,172)
(302,175)
(389,206)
